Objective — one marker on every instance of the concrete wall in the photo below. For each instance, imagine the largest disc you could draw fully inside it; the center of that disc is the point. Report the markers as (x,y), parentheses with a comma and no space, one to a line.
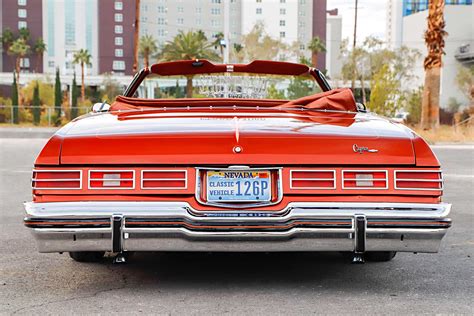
(333,45)
(459,25)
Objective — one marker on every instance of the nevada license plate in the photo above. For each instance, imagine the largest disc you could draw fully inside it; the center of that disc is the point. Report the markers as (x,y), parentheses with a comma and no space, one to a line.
(238,186)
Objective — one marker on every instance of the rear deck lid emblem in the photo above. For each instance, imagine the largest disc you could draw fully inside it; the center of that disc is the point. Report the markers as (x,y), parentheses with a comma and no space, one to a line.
(361,149)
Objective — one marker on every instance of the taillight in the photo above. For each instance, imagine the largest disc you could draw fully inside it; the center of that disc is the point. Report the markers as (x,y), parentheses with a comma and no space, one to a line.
(364,179)
(111,179)
(312,179)
(164,179)
(56,180)
(418,180)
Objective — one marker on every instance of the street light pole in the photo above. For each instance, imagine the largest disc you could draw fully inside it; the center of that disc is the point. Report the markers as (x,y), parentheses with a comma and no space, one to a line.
(354,73)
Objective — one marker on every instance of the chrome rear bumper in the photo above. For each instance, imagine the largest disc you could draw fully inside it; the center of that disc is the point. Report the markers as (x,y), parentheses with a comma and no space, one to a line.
(174,226)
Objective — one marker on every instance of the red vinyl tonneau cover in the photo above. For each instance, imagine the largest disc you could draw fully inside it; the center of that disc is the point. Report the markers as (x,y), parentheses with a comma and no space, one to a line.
(333,100)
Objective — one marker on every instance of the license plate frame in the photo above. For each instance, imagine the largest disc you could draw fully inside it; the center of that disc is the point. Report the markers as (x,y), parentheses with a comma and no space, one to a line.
(263,178)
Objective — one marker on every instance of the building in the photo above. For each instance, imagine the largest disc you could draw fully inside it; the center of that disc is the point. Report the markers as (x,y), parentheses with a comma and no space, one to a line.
(393,27)
(411,19)
(15,15)
(333,44)
(105,28)
(291,21)
(116,36)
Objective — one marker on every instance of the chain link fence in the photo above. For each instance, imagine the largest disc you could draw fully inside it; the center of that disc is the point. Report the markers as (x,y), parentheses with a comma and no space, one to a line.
(38,115)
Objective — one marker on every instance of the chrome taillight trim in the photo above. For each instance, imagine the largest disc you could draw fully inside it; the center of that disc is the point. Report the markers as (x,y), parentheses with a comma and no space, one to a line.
(344,179)
(111,170)
(33,180)
(142,179)
(440,180)
(333,179)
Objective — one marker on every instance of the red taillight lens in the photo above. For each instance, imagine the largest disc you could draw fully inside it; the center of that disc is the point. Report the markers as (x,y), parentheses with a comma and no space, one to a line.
(52,179)
(364,179)
(164,179)
(312,179)
(111,179)
(418,180)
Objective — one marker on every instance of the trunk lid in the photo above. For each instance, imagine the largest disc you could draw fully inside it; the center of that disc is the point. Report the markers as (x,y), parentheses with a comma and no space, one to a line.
(210,138)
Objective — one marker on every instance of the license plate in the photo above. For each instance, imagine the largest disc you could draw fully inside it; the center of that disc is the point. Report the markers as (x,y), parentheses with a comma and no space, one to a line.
(238,186)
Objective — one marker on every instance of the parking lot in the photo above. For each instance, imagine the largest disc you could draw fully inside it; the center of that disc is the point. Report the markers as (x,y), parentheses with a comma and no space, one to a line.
(234,283)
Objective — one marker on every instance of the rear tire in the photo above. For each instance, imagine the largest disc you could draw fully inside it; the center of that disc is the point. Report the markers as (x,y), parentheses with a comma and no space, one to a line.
(380,256)
(87,256)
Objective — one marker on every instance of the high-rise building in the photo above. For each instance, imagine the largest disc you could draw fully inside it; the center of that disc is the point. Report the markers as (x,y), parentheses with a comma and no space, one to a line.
(15,15)
(333,44)
(291,21)
(68,27)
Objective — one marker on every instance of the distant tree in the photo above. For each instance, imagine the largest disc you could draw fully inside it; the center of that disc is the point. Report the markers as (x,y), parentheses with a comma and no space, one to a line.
(110,89)
(274,93)
(58,97)
(237,53)
(385,92)
(147,48)
(19,48)
(218,42)
(24,34)
(412,105)
(305,61)
(74,109)
(15,111)
(7,39)
(83,58)
(465,80)
(36,105)
(259,45)
(39,47)
(188,46)
(300,87)
(316,46)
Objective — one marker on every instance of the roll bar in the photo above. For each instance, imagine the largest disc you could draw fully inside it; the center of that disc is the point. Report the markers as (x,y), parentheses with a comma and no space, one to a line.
(202,66)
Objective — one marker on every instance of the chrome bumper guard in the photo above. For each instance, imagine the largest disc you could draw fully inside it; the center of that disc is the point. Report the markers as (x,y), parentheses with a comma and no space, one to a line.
(173,226)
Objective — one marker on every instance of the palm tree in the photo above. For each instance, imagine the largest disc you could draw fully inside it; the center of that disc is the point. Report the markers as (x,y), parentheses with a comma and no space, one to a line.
(316,46)
(136,35)
(7,39)
(19,48)
(218,42)
(188,46)
(147,47)
(39,48)
(239,52)
(434,39)
(24,34)
(83,58)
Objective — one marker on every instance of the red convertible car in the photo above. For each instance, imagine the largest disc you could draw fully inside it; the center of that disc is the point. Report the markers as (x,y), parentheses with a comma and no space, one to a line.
(234,170)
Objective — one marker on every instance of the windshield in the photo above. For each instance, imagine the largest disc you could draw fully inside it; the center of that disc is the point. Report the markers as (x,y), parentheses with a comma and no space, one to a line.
(227,85)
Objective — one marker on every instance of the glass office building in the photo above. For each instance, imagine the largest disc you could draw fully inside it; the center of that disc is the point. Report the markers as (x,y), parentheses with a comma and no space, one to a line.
(414,6)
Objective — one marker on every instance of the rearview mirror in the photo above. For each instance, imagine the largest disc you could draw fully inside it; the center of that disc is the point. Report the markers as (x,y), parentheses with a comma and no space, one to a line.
(100,107)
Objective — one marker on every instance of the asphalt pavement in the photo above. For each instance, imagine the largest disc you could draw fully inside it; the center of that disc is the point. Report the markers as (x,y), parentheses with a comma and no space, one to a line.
(234,283)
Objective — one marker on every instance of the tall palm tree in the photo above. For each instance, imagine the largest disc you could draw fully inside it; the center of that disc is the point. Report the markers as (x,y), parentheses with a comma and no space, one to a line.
(136,35)
(316,46)
(39,48)
(83,58)
(218,42)
(434,39)
(19,48)
(147,47)
(188,46)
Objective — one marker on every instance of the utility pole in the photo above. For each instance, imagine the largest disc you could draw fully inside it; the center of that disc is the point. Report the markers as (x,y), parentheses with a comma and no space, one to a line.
(226,31)
(136,37)
(354,72)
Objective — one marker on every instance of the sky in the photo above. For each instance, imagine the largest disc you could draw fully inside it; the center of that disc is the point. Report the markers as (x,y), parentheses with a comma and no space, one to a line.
(370,20)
